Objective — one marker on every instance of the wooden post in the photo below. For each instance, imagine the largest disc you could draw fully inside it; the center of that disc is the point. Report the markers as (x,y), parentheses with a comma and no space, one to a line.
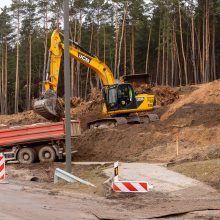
(177,143)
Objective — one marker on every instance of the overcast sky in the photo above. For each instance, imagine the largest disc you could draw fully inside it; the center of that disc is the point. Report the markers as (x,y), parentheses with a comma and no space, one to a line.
(8,2)
(5,2)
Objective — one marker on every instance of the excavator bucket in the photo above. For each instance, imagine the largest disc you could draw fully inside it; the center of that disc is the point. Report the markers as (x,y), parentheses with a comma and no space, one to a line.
(49,108)
(46,108)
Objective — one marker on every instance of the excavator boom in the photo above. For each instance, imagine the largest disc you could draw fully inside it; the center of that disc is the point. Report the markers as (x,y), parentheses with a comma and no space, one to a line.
(47,105)
(120,99)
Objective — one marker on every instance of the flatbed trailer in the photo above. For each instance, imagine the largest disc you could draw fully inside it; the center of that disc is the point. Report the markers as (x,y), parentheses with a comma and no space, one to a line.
(43,142)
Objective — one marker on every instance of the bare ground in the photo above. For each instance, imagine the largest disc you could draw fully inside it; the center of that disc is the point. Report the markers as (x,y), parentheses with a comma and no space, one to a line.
(190,121)
(204,171)
(43,200)
(194,117)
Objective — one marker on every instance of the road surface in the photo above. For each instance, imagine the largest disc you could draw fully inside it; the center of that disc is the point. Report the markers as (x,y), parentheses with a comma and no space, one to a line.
(186,199)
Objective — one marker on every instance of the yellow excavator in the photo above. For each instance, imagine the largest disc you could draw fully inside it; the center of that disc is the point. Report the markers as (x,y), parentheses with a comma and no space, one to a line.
(121,104)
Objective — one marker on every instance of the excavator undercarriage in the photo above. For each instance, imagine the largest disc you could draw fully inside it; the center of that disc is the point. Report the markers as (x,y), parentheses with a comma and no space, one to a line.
(112,122)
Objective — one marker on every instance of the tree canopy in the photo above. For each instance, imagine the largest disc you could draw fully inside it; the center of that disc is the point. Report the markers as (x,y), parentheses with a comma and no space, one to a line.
(176,42)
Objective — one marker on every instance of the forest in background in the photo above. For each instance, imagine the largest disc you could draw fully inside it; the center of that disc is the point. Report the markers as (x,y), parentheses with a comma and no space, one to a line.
(174,41)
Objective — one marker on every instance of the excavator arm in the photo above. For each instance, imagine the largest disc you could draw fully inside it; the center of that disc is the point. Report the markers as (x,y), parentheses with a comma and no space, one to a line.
(78,54)
(47,105)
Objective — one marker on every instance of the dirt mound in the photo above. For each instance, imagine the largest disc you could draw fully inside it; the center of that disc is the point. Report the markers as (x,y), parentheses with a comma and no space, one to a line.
(94,98)
(24,118)
(205,94)
(88,110)
(165,95)
(195,116)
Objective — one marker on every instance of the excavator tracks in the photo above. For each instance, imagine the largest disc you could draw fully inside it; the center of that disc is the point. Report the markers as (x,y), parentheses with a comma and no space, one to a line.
(114,122)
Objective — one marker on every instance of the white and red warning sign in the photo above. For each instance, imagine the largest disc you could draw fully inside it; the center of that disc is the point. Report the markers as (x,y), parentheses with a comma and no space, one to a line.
(2,167)
(128,186)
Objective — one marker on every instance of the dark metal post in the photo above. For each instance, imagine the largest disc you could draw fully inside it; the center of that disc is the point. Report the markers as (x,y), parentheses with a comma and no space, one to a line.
(67,87)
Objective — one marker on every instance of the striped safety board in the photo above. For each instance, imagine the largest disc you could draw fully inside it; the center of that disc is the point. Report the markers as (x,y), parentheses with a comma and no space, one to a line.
(130,186)
(2,167)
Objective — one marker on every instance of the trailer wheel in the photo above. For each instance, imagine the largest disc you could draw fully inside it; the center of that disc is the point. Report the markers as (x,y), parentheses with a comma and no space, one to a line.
(26,156)
(47,154)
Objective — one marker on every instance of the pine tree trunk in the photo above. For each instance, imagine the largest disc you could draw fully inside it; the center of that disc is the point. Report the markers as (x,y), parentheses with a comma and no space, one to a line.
(132,50)
(120,43)
(88,70)
(6,77)
(167,57)
(207,42)
(125,52)
(193,49)
(173,56)
(45,45)
(163,59)
(158,56)
(183,53)
(104,44)
(200,58)
(203,49)
(116,42)
(78,63)
(29,73)
(148,49)
(213,49)
(178,59)
(1,79)
(98,81)
(17,77)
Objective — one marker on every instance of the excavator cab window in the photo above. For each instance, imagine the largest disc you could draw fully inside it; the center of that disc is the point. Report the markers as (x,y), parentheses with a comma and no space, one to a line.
(119,97)
(110,97)
(126,97)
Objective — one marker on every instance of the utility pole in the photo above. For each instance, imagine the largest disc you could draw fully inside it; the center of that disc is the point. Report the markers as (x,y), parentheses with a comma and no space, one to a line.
(67,87)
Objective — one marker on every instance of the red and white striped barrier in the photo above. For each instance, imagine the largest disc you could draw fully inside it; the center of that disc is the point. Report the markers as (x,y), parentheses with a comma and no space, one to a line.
(128,186)
(2,168)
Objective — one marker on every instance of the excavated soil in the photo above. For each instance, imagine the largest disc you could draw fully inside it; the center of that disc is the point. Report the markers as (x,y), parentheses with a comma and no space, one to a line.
(24,118)
(188,129)
(191,122)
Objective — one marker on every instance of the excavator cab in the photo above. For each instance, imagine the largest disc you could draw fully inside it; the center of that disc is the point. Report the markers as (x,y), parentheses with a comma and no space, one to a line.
(119,97)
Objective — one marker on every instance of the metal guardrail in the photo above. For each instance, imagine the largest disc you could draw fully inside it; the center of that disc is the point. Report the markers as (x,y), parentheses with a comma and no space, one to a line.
(69,177)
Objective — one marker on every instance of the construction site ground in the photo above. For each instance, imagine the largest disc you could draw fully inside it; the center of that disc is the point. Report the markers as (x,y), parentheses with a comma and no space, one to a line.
(174,195)
(185,140)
